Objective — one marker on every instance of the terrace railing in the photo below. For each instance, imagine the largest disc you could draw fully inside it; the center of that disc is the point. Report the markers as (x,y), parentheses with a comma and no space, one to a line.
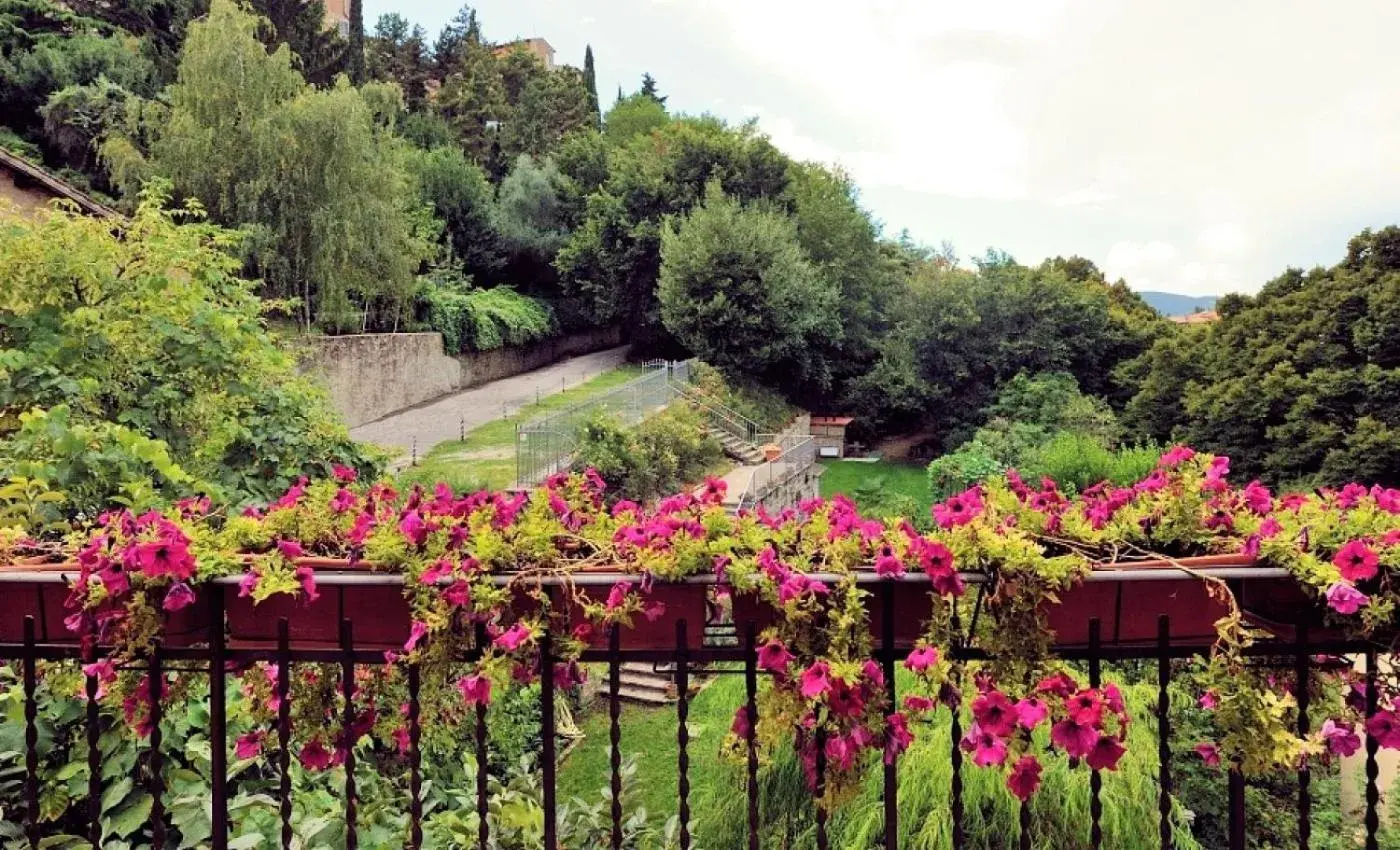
(547,445)
(797,454)
(217,656)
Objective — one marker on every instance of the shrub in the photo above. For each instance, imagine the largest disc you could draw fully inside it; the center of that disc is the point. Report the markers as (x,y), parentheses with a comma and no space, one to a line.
(955,472)
(1078,461)
(769,410)
(482,319)
(658,457)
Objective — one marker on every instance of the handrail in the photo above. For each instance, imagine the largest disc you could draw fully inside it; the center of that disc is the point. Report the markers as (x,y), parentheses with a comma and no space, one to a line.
(720,415)
(798,454)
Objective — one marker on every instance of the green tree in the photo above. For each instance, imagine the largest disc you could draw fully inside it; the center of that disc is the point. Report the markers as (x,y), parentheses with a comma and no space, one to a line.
(590,84)
(314,173)
(633,116)
(530,219)
(134,363)
(460,196)
(649,89)
(612,259)
(396,52)
(473,95)
(736,290)
(551,105)
(301,25)
(77,117)
(355,49)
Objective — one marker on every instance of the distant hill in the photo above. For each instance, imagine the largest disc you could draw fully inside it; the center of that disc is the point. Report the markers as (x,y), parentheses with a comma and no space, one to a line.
(1171,304)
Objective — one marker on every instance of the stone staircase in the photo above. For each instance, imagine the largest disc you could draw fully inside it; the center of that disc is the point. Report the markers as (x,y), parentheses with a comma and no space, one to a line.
(641,682)
(737,448)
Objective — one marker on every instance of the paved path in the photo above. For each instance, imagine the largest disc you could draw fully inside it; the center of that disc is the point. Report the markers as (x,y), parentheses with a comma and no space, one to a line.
(442,419)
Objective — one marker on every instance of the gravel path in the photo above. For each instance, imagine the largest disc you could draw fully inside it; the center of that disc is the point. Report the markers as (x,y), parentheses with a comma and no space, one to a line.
(442,419)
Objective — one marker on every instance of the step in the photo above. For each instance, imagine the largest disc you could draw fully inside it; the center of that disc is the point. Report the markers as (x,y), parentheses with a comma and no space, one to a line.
(645,683)
(647,697)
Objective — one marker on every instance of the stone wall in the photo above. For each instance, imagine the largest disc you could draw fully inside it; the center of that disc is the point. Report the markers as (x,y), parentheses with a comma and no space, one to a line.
(373,375)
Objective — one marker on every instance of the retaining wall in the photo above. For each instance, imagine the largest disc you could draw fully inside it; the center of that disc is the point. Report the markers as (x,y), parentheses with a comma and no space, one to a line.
(373,375)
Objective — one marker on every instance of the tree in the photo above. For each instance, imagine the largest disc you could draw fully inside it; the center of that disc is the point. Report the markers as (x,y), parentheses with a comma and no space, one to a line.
(159,25)
(138,367)
(551,106)
(613,257)
(590,84)
(633,116)
(77,117)
(649,89)
(355,50)
(315,174)
(473,96)
(447,50)
(736,290)
(301,25)
(460,196)
(531,221)
(396,53)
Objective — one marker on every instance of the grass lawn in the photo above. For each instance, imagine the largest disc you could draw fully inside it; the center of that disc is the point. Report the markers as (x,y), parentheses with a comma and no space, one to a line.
(870,485)
(486,458)
(649,735)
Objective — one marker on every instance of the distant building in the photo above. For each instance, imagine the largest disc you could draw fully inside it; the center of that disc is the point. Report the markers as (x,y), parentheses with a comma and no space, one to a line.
(30,188)
(535,46)
(1203,317)
(338,16)
(829,433)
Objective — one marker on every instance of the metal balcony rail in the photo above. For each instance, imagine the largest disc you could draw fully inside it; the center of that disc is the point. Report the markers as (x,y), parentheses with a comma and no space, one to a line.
(546,445)
(215,659)
(797,454)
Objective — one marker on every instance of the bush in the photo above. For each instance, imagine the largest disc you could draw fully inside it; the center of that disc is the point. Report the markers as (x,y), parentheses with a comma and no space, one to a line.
(955,472)
(659,457)
(1078,461)
(749,399)
(482,319)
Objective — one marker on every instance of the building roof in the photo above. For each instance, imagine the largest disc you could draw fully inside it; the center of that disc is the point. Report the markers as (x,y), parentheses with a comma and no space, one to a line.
(1204,317)
(833,420)
(29,173)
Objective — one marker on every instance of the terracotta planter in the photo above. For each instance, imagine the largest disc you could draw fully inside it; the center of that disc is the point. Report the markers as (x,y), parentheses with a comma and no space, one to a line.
(912,608)
(772,452)
(683,602)
(749,608)
(43,602)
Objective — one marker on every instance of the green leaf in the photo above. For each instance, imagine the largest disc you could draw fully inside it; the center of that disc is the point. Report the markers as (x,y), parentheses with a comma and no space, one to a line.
(131,817)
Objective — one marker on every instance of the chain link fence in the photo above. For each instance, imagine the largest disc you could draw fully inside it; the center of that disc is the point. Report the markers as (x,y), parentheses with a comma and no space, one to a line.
(547,445)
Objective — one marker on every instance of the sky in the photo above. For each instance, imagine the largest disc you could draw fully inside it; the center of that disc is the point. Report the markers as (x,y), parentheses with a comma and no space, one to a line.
(1190,146)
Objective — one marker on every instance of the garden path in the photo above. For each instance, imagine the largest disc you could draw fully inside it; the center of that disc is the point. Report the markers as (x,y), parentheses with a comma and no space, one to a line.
(443,418)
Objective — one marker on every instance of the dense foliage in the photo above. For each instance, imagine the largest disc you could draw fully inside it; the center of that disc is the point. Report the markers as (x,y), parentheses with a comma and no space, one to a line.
(660,456)
(135,368)
(1297,384)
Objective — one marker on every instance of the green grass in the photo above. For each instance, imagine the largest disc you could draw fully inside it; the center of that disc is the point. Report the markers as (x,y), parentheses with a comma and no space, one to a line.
(443,461)
(880,487)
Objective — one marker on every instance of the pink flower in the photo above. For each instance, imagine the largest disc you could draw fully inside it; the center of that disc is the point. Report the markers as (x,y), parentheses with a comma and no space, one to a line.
(897,736)
(344,474)
(290,549)
(1024,779)
(177,597)
(567,676)
(1106,753)
(815,681)
(248,584)
(413,528)
(168,556)
(1076,739)
(458,594)
(920,660)
(1085,707)
(1176,455)
(104,671)
(1384,726)
(415,635)
(617,597)
(249,745)
(887,565)
(438,571)
(476,689)
(741,726)
(1058,684)
(1341,740)
(1208,701)
(917,704)
(1031,712)
(774,657)
(307,577)
(315,756)
(1258,498)
(342,501)
(995,713)
(1356,561)
(1345,599)
(986,749)
(511,639)
(1209,754)
(958,510)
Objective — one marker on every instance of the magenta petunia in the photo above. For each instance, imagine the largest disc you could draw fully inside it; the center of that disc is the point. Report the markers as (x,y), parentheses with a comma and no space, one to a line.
(1076,739)
(1209,754)
(475,689)
(1341,739)
(342,501)
(741,726)
(921,659)
(249,745)
(1085,707)
(897,736)
(178,597)
(617,597)
(986,749)
(306,577)
(815,680)
(1105,753)
(1356,561)
(290,549)
(995,713)
(918,704)
(1345,599)
(511,639)
(1024,779)
(344,474)
(774,657)
(1031,712)
(315,756)
(416,633)
(1384,727)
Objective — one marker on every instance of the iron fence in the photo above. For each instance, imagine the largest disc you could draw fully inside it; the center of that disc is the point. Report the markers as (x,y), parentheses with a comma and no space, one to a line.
(796,455)
(547,445)
(216,658)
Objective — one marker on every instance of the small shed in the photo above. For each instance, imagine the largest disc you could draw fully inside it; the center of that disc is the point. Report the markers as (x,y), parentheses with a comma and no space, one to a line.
(830,435)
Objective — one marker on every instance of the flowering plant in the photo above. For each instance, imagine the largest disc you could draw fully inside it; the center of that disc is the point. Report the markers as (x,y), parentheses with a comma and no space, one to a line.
(488,575)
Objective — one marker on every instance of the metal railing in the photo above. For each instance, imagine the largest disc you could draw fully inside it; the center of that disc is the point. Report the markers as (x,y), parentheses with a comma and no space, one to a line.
(215,659)
(797,455)
(547,445)
(719,417)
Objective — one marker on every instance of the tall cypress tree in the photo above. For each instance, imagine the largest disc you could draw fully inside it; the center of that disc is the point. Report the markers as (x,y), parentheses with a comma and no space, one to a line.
(590,82)
(355,62)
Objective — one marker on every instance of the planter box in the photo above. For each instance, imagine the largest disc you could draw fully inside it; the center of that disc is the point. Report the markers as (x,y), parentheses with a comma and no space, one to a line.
(683,602)
(43,602)
(380,614)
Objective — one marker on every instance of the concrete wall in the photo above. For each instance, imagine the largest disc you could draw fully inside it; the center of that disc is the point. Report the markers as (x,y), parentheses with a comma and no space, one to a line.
(373,375)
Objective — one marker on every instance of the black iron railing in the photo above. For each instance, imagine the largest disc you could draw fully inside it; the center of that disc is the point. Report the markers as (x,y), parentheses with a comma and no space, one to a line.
(215,659)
